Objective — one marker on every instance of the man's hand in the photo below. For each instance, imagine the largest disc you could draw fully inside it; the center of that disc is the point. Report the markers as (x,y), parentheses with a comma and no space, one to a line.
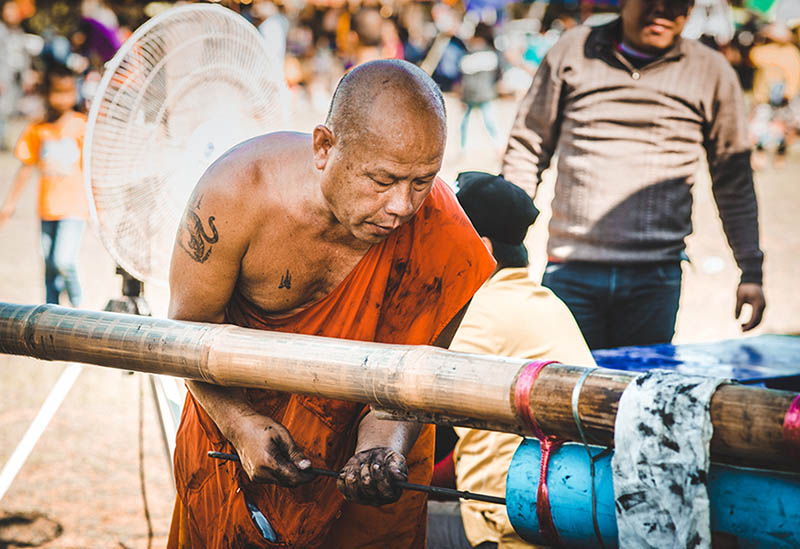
(269,454)
(371,476)
(752,294)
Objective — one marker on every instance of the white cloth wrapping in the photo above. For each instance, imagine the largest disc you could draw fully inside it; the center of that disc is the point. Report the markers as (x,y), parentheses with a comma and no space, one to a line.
(661,458)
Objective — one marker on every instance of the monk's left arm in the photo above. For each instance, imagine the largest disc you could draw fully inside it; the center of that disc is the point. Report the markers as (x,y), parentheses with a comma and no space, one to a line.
(370,476)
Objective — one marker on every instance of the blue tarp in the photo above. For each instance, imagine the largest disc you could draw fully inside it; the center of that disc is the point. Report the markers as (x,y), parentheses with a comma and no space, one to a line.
(772,360)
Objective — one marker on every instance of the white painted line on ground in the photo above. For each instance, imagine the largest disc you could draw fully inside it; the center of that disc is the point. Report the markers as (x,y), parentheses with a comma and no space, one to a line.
(51,404)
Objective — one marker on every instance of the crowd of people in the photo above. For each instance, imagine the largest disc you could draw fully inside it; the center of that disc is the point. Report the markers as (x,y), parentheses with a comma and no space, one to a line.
(370,245)
(512,39)
(478,50)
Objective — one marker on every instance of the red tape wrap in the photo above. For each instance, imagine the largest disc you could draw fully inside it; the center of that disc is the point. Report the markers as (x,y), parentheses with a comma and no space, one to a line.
(791,427)
(548,445)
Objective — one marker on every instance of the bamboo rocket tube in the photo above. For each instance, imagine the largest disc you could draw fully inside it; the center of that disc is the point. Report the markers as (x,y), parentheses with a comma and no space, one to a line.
(418,382)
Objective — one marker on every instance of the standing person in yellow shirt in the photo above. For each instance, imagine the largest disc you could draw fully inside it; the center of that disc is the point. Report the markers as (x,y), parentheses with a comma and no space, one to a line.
(54,147)
(510,315)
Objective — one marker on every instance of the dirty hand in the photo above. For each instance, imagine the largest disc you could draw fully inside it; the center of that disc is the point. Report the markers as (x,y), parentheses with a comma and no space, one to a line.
(268,453)
(752,294)
(371,476)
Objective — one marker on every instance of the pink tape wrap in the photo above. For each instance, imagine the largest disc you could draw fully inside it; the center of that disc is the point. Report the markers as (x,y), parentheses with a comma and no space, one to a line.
(548,445)
(522,393)
(791,427)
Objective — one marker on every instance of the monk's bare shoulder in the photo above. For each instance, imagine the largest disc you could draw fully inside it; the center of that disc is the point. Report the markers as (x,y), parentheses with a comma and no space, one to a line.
(253,164)
(250,178)
(283,162)
(238,192)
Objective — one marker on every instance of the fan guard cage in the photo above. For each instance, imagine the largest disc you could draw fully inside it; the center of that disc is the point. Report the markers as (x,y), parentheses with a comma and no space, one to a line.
(184,88)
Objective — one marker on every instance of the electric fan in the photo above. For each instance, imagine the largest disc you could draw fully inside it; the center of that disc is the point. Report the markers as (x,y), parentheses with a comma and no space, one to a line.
(184,88)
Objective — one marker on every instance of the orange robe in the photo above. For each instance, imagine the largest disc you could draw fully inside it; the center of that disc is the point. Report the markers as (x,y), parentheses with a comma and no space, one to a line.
(404,290)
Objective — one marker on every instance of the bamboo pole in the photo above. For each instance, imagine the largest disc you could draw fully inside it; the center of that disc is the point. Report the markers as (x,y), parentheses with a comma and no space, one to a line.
(419,382)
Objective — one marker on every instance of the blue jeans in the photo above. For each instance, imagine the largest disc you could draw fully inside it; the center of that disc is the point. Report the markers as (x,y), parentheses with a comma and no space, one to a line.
(61,242)
(619,305)
(488,120)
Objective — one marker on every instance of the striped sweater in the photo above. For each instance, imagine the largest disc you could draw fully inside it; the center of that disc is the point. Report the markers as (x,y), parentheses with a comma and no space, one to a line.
(629,142)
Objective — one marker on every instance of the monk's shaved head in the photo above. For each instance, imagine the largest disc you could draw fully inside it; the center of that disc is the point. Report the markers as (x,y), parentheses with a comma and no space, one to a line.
(374,94)
(380,149)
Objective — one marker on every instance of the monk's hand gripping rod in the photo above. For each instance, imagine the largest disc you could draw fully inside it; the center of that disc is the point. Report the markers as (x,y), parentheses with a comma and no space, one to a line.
(434,490)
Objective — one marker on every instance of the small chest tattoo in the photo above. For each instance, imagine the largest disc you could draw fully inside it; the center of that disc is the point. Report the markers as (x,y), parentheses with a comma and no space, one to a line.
(286,281)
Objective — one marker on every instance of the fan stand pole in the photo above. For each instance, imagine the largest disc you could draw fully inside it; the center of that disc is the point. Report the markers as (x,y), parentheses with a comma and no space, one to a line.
(133,302)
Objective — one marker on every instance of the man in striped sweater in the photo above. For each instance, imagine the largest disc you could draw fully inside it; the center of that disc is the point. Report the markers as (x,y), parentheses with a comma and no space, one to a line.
(630,107)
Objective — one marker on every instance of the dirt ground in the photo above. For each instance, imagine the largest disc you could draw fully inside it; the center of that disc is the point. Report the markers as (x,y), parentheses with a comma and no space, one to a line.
(84,471)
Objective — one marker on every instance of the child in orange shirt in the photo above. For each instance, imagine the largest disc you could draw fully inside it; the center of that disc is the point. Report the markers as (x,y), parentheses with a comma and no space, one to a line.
(55,146)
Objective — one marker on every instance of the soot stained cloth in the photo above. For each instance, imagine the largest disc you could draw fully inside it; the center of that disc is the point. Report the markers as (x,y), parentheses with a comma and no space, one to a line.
(660,464)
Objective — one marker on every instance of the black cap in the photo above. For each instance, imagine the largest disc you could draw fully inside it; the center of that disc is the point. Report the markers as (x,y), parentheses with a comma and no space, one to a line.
(499,210)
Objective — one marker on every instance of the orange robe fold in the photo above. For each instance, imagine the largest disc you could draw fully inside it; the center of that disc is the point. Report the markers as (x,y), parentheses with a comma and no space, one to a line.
(404,290)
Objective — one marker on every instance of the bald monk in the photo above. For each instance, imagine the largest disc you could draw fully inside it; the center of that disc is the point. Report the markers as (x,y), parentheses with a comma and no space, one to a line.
(344,233)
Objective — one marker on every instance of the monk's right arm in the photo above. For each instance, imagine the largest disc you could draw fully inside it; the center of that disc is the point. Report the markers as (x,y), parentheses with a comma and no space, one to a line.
(211,241)
(266,449)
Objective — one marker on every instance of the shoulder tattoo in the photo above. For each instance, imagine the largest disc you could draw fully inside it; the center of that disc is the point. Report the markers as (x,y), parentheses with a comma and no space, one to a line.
(192,236)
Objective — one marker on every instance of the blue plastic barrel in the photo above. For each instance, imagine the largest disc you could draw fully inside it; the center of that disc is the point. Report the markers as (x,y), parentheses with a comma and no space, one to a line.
(760,508)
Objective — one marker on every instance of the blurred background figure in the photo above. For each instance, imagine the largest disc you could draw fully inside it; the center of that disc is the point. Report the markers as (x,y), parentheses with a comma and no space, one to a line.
(480,72)
(711,22)
(414,22)
(368,27)
(273,26)
(100,12)
(14,62)
(775,120)
(391,43)
(53,147)
(445,53)
(95,41)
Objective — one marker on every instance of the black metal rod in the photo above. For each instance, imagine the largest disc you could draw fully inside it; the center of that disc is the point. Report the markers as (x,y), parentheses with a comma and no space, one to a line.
(436,490)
